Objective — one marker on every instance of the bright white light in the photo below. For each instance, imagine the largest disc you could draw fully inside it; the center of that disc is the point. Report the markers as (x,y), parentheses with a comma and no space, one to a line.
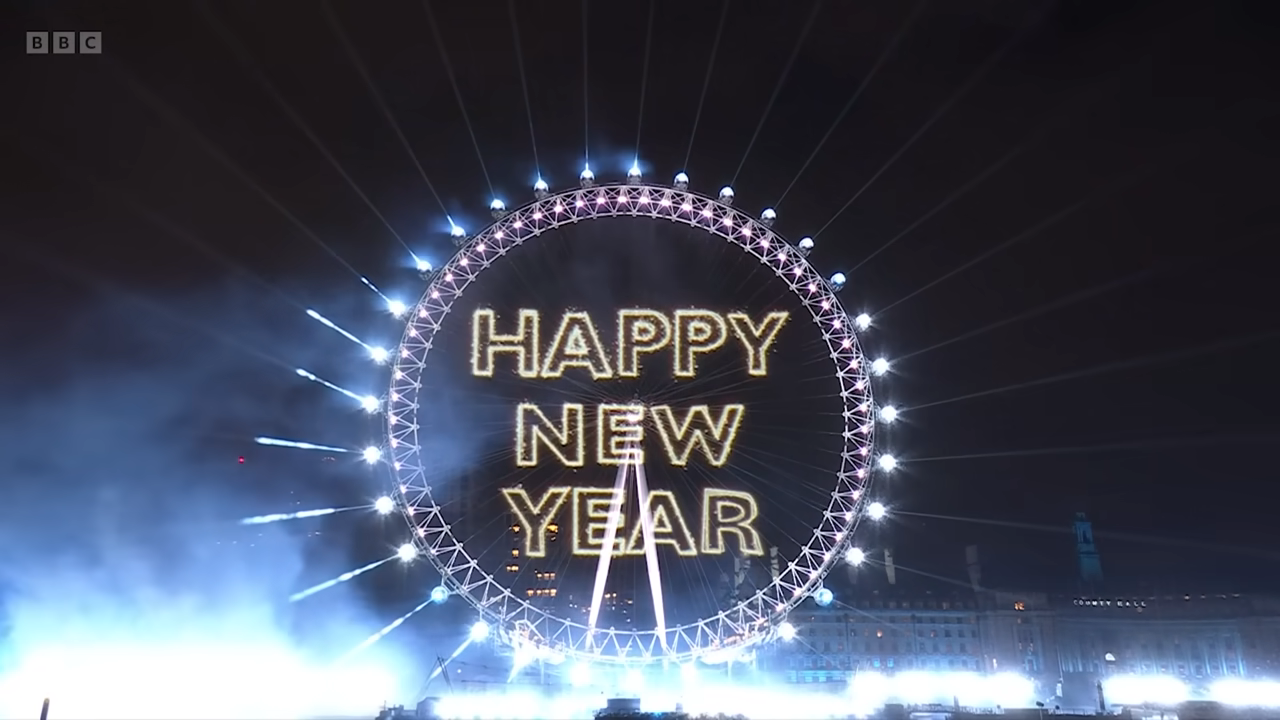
(824,596)
(1140,690)
(497,205)
(806,243)
(439,594)
(423,265)
(879,366)
(395,307)
(888,414)
(407,552)
(768,214)
(369,403)
(870,690)
(863,321)
(839,279)
(541,185)
(855,556)
(726,193)
(877,511)
(1248,693)
(100,667)
(456,231)
(587,174)
(634,172)
(689,672)
(371,454)
(633,680)
(479,631)
(379,354)
(787,631)
(580,675)
(384,505)
(682,179)
(888,462)
(1108,657)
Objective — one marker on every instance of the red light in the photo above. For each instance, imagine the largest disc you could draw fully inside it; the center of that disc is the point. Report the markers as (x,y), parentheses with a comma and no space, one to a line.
(241,459)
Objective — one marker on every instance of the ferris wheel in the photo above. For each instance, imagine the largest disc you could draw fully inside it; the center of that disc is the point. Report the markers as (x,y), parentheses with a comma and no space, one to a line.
(633,507)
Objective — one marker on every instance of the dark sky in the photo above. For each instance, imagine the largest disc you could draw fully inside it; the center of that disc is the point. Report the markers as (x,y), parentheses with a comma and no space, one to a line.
(1058,213)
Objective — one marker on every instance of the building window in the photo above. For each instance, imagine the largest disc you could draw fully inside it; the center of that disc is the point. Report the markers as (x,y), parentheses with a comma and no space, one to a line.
(1019,606)
(513,568)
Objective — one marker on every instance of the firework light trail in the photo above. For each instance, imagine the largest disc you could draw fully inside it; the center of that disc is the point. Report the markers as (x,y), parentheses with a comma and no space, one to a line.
(478,632)
(377,353)
(299,515)
(369,641)
(369,284)
(344,577)
(297,444)
(368,402)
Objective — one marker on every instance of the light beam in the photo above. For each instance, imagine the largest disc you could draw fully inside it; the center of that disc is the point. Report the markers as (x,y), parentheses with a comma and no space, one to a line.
(377,353)
(344,577)
(364,644)
(299,515)
(368,402)
(297,444)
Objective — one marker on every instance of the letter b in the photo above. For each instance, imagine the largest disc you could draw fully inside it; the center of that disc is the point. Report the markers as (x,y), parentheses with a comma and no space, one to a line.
(64,43)
(37,43)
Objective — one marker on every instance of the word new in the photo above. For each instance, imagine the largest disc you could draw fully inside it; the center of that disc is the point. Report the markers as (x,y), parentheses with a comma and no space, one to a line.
(620,434)
(576,342)
(725,513)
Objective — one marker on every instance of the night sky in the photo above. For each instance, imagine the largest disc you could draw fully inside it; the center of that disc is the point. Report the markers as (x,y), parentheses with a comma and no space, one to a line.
(1059,215)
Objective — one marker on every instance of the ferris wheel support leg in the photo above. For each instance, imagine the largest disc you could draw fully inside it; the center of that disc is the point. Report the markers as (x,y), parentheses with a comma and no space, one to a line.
(651,555)
(607,548)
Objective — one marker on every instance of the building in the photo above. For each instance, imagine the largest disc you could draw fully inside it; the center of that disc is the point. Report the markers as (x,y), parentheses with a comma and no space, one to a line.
(1018,633)
(1192,637)
(888,623)
(883,630)
(538,577)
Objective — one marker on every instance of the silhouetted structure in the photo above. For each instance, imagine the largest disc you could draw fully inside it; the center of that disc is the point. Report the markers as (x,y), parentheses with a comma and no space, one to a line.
(1087,553)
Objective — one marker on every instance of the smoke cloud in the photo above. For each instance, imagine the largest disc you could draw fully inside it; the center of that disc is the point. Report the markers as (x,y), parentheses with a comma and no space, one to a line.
(127,589)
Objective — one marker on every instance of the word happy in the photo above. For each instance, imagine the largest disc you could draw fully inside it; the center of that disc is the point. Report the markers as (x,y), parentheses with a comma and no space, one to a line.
(725,513)
(620,428)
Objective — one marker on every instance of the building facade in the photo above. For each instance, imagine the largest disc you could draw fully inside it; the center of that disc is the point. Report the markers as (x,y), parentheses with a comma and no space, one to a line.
(1192,637)
(885,631)
(1196,638)
(878,624)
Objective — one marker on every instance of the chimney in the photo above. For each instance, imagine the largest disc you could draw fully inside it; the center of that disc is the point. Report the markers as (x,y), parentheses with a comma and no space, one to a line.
(975,567)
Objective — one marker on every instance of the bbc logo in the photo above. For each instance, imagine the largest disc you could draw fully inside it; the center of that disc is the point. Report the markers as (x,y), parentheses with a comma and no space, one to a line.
(64,43)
